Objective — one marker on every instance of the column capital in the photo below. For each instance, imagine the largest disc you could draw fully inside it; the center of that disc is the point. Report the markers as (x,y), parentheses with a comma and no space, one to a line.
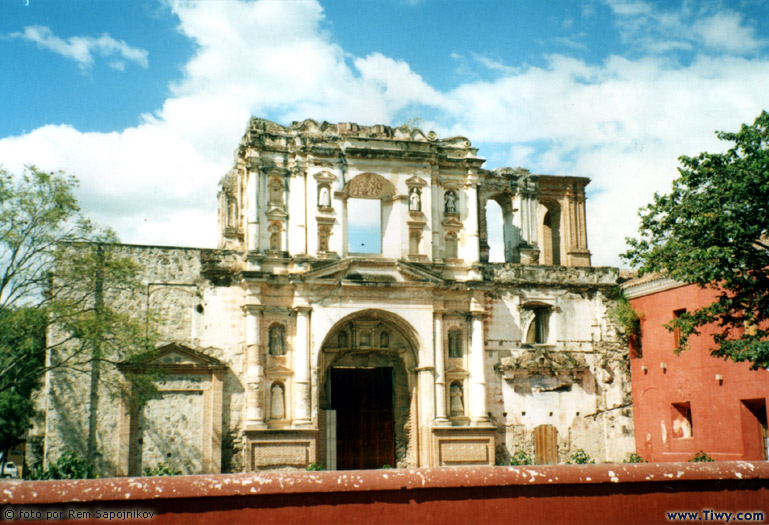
(302,309)
(476,307)
(253,309)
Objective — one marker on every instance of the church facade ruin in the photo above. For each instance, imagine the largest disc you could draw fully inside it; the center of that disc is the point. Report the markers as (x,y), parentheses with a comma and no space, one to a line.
(286,347)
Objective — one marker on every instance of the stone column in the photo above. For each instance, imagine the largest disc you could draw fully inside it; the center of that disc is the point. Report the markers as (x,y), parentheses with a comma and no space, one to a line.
(302,401)
(296,230)
(440,367)
(251,203)
(436,212)
(529,203)
(254,369)
(478,411)
(471,250)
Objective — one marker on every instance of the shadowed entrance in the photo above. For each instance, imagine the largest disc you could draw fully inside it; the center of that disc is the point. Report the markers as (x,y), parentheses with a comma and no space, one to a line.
(368,399)
(363,400)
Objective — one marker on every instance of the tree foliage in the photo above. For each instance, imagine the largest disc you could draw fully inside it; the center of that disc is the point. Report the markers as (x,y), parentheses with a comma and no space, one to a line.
(711,230)
(58,274)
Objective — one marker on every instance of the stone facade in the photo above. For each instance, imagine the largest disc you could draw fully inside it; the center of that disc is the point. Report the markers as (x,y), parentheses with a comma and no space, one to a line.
(288,348)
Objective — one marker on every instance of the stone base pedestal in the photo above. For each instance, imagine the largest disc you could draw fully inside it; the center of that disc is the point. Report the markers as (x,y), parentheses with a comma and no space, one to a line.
(579,258)
(455,446)
(281,449)
(529,256)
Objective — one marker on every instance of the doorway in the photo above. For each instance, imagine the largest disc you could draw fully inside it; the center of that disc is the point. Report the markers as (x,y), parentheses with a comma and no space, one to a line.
(363,400)
(754,428)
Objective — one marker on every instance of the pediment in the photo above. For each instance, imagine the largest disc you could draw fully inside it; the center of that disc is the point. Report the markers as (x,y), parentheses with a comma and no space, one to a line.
(324,176)
(278,371)
(175,354)
(415,182)
(456,371)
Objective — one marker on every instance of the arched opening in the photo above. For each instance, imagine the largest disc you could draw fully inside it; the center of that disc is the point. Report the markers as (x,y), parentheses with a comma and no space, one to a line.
(368,394)
(539,327)
(551,236)
(368,214)
(364,226)
(500,236)
(495,232)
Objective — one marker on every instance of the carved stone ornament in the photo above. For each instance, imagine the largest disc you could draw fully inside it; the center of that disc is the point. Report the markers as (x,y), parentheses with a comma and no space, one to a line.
(370,186)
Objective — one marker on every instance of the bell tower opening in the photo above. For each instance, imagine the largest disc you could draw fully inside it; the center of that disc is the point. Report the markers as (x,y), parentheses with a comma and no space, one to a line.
(364,226)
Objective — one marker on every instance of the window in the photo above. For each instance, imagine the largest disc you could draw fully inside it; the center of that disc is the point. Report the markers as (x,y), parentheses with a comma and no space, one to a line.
(635,342)
(676,330)
(682,420)
(539,327)
(364,226)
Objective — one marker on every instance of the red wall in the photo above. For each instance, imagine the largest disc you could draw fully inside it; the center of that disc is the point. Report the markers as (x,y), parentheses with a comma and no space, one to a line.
(618,493)
(722,426)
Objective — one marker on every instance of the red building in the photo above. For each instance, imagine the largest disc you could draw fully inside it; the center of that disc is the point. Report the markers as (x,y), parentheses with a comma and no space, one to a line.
(690,402)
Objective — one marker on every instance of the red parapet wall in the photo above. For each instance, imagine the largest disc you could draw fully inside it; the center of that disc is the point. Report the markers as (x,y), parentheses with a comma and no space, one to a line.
(610,493)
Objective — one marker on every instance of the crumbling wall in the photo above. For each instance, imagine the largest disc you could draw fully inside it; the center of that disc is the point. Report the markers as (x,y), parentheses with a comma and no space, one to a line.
(577,381)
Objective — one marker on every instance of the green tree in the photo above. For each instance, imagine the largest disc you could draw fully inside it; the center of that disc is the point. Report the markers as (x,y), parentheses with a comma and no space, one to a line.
(22,337)
(711,230)
(58,272)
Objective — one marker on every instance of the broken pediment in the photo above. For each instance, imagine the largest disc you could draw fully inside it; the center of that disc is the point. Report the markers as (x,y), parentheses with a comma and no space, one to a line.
(543,361)
(373,271)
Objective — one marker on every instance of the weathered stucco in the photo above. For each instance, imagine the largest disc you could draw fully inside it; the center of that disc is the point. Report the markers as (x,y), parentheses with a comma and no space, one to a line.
(486,358)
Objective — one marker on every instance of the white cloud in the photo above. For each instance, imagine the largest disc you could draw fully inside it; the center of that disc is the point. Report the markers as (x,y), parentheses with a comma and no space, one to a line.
(726,30)
(661,31)
(82,49)
(622,122)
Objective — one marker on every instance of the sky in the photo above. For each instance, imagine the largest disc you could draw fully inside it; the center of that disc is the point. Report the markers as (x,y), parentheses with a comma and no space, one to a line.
(145,101)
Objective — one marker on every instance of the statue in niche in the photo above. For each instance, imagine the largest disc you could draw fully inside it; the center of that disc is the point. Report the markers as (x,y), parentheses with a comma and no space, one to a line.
(384,340)
(277,401)
(277,346)
(275,241)
(341,340)
(455,343)
(457,401)
(276,193)
(324,197)
(450,202)
(415,200)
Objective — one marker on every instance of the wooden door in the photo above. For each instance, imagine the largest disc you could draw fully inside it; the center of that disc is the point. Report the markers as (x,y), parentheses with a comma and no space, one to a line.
(363,400)
(546,445)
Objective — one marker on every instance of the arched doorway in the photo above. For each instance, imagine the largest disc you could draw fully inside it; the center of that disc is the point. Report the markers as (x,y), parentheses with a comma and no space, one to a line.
(368,397)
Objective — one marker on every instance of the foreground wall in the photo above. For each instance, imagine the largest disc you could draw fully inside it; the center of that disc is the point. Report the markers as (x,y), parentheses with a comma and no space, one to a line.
(619,493)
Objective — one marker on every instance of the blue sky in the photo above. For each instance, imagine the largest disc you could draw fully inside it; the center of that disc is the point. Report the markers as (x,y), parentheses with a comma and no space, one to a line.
(145,101)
